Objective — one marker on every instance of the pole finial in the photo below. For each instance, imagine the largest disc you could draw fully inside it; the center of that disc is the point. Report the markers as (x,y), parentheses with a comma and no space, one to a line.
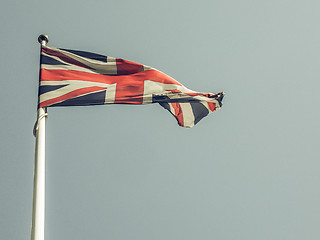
(43,39)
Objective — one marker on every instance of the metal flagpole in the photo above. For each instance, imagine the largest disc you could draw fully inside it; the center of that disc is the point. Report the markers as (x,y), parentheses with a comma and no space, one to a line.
(38,203)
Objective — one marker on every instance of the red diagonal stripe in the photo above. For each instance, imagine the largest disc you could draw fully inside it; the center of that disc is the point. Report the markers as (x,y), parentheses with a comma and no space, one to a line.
(178,113)
(125,67)
(64,57)
(70,95)
(212,106)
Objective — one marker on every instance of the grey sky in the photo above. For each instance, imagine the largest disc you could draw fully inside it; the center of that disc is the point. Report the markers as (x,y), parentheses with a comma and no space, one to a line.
(248,171)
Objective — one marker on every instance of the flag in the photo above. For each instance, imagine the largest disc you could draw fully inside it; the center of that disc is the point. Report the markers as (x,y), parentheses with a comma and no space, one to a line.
(79,78)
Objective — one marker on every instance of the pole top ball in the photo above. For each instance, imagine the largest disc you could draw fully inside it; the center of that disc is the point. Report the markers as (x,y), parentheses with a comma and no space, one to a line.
(43,39)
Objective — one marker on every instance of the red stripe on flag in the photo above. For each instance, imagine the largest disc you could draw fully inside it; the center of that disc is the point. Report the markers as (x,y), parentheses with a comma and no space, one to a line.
(70,95)
(212,106)
(178,113)
(125,67)
(60,75)
(64,57)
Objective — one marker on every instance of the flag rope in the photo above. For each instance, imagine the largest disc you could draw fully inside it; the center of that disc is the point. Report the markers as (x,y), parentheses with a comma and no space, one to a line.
(36,125)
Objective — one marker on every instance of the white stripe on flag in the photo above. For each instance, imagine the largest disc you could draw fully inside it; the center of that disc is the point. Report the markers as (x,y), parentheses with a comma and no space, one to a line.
(172,109)
(111,94)
(188,117)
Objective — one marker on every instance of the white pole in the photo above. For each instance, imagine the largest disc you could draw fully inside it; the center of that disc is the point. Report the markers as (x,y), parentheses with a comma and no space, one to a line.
(38,204)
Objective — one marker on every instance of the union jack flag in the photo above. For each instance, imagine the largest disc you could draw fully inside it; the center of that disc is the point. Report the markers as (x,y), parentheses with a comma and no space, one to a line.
(78,78)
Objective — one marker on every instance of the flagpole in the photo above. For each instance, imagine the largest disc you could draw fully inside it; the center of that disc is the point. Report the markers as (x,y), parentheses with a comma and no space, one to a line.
(38,203)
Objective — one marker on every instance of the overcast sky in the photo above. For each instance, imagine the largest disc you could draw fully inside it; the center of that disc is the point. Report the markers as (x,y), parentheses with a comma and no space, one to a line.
(248,171)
